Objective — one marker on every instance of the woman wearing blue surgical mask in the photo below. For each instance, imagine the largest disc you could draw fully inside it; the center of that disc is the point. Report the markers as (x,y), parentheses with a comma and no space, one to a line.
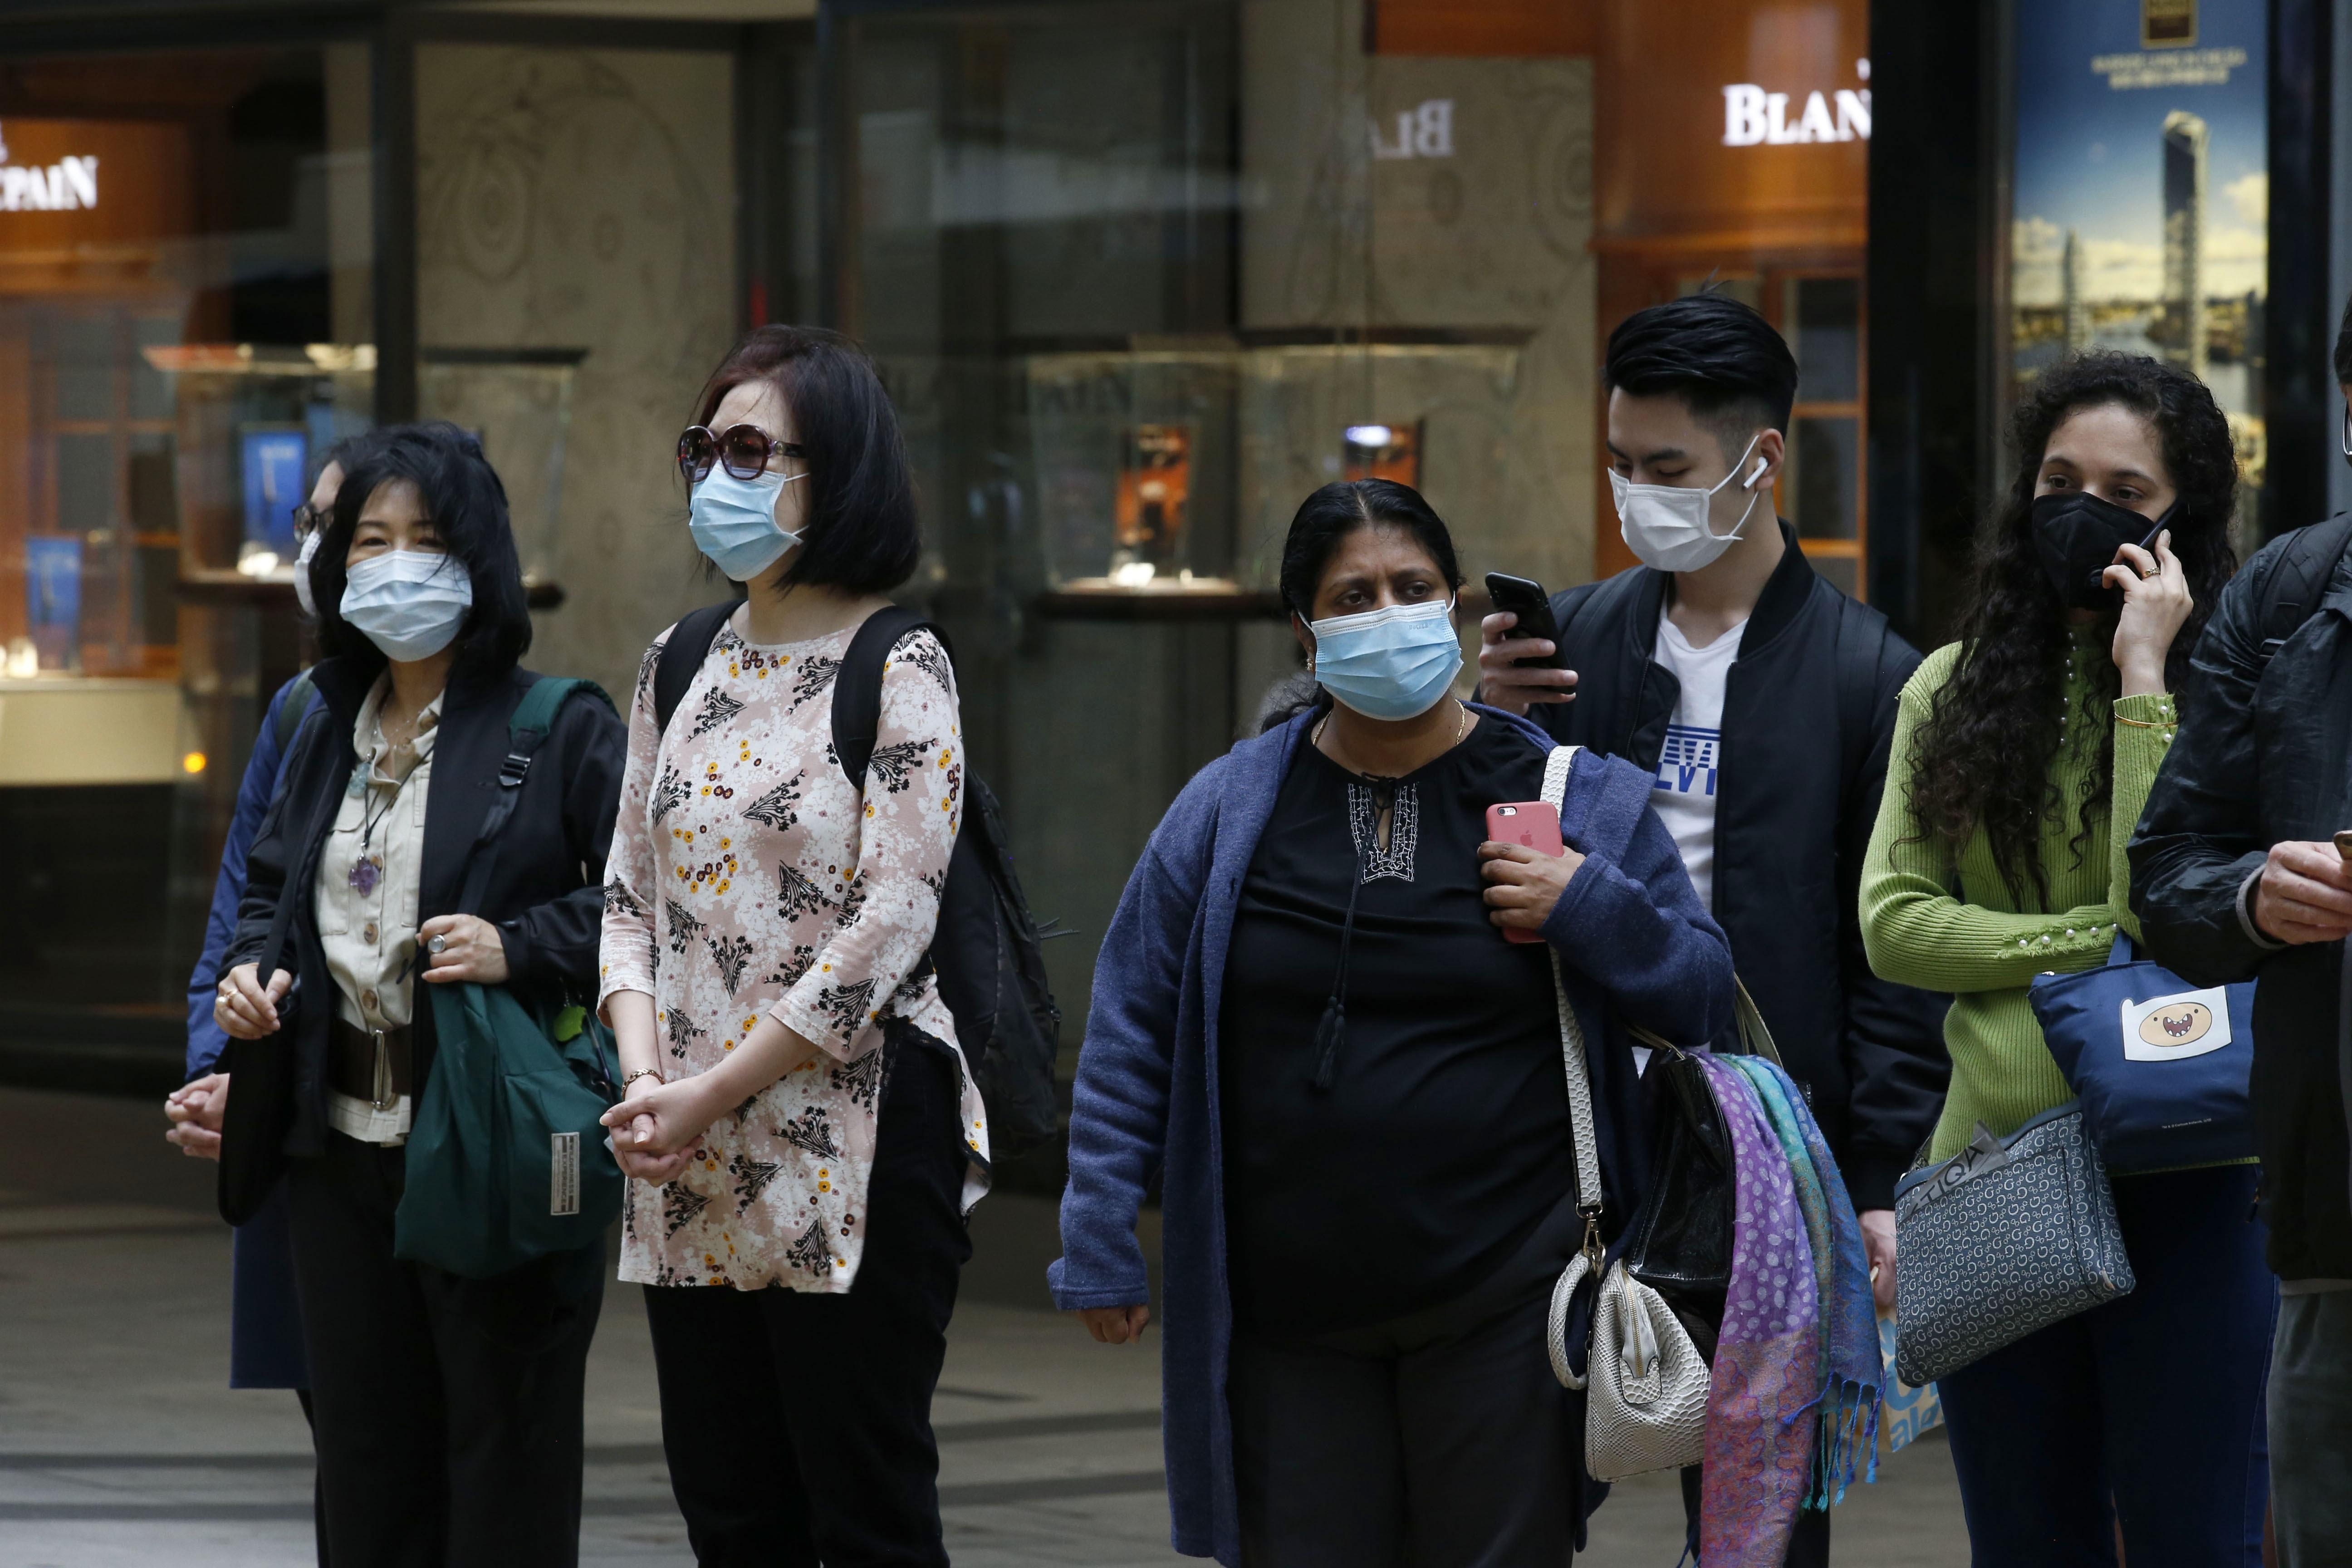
(1308,1023)
(803,1133)
(448,1410)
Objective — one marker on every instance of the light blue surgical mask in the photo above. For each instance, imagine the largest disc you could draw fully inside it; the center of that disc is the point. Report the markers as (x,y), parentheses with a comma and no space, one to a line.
(409,603)
(1392,663)
(734,522)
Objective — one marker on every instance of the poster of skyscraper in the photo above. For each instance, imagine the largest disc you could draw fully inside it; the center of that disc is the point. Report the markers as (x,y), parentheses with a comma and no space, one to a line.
(2141,192)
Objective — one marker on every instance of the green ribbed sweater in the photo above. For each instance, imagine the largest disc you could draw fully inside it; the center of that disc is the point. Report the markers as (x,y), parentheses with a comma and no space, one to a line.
(1930,920)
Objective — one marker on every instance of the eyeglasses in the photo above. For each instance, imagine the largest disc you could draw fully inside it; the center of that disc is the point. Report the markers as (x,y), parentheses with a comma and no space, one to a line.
(307,520)
(742,449)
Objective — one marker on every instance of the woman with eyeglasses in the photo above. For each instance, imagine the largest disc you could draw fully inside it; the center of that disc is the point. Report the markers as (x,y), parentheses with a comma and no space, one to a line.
(804,1136)
(447,1409)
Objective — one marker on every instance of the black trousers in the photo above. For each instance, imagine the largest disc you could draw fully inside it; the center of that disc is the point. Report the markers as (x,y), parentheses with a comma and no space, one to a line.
(446,1410)
(1438,1440)
(798,1425)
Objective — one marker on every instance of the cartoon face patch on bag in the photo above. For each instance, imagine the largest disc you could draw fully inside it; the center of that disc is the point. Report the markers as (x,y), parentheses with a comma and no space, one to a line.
(2173,1028)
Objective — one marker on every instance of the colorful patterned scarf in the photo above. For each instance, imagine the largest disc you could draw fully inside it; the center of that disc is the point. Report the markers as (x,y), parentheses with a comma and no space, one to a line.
(1852,1370)
(1764,1394)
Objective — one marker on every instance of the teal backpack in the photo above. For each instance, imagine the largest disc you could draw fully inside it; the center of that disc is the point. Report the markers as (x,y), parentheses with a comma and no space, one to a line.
(507,1154)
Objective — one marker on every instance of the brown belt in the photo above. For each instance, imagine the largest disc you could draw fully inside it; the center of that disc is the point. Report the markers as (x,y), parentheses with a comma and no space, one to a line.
(369,1064)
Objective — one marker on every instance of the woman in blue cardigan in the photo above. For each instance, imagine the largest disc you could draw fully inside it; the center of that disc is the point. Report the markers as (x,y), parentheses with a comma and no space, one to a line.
(1307,1023)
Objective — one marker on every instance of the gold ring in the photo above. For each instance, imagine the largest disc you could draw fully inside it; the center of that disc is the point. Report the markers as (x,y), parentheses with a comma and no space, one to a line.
(2151,572)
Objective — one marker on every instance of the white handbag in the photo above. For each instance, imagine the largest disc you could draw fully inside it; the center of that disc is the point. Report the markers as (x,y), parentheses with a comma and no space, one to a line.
(1645,1385)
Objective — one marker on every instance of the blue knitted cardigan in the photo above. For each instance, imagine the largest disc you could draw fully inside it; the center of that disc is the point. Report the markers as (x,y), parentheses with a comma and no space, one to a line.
(1635,946)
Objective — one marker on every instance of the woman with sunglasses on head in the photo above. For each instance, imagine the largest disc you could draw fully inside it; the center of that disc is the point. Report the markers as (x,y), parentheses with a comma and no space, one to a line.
(1308,1025)
(2023,756)
(447,1409)
(804,1133)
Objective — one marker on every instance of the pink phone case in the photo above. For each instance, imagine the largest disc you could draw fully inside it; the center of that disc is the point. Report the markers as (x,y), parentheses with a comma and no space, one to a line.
(1534,823)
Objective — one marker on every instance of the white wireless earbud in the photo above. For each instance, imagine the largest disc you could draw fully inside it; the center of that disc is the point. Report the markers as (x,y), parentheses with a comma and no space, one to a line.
(1759,473)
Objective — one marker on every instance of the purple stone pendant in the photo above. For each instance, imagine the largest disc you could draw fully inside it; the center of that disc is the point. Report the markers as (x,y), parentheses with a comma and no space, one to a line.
(364,876)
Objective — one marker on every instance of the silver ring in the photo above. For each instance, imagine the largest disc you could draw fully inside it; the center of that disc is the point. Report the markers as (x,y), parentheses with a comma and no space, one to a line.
(436,944)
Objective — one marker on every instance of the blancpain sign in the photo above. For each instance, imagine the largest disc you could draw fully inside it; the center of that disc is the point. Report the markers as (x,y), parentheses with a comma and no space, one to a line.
(1753,117)
(70,183)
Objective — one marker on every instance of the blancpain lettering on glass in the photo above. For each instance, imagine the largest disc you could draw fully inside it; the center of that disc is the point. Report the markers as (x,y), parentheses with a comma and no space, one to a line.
(1755,118)
(65,185)
(1426,131)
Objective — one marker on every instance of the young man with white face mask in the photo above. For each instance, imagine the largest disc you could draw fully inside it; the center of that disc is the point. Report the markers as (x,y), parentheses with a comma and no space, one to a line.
(1763,701)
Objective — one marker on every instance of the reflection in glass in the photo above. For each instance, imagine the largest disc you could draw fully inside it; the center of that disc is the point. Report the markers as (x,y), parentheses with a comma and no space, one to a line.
(1826,316)
(1827,449)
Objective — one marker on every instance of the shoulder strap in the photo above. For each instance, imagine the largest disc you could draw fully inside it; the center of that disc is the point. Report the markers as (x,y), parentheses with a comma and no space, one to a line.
(535,716)
(1582,1129)
(689,644)
(2297,585)
(298,692)
(857,685)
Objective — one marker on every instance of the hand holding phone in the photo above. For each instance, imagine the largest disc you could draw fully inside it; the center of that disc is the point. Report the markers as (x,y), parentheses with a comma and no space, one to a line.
(1528,825)
(1521,664)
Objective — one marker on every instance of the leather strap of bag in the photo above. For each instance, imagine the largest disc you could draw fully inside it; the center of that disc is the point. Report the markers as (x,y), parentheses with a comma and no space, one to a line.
(1571,1048)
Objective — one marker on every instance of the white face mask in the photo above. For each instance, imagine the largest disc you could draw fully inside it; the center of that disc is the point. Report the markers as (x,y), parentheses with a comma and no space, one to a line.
(1665,526)
(302,571)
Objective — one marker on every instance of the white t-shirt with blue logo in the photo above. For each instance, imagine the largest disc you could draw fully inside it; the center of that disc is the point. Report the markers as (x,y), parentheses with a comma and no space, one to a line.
(1683,793)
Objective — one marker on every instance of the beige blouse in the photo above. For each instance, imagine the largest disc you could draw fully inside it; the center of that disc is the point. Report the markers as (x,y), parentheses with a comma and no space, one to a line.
(749,875)
(368,872)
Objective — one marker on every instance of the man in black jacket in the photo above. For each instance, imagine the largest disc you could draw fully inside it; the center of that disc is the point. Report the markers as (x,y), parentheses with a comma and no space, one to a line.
(2235,875)
(1764,700)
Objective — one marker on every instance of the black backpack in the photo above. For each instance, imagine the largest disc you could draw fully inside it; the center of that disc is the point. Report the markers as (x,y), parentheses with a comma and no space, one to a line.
(2300,581)
(988,951)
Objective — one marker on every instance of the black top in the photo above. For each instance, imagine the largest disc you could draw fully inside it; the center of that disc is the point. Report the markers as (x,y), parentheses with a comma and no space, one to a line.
(1443,1137)
(2264,754)
(1807,717)
(545,893)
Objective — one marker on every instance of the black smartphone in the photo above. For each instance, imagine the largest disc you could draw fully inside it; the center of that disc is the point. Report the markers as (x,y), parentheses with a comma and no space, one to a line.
(1527,599)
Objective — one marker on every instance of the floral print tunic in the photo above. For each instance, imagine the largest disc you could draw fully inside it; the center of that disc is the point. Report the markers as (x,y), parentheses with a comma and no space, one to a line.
(747,874)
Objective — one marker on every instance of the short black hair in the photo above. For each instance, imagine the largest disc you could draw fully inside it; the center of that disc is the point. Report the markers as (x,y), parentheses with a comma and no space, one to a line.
(1339,510)
(468,508)
(862,535)
(344,454)
(1733,371)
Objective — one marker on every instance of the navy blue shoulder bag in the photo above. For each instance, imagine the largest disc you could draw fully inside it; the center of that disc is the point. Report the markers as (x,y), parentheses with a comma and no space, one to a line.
(2160,1065)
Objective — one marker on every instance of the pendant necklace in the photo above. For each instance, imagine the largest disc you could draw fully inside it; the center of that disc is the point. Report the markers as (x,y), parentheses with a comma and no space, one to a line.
(366,873)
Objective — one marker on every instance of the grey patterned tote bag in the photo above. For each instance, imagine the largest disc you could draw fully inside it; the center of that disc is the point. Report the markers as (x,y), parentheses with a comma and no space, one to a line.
(2007,1236)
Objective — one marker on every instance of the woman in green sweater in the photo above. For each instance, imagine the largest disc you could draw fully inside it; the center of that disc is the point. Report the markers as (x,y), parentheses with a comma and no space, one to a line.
(2022,755)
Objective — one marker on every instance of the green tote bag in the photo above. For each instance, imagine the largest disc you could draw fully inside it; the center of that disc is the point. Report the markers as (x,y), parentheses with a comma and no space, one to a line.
(507,1157)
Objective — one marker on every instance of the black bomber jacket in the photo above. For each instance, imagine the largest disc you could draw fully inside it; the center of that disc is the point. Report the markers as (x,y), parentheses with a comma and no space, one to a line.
(1808,716)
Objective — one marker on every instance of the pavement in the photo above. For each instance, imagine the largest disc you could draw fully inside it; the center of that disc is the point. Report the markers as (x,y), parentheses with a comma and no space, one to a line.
(121,1445)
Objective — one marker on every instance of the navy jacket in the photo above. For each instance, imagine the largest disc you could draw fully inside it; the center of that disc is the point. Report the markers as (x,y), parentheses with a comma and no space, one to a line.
(264,1329)
(253,796)
(1808,716)
(1633,945)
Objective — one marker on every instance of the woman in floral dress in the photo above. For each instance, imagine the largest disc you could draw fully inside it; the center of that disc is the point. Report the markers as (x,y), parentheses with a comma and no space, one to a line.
(805,1138)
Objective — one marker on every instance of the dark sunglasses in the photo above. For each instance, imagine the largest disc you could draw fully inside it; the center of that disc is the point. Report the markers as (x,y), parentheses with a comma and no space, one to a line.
(743,450)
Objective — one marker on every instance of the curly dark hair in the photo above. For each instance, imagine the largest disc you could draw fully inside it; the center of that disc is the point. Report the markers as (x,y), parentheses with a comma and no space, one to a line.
(1985,751)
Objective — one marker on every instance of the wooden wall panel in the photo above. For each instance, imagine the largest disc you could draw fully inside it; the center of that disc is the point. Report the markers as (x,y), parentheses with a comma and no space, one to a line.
(1489,29)
(1666,182)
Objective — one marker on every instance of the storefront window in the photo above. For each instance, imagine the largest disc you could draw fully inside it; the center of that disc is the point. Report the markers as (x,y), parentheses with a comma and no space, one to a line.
(186,296)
